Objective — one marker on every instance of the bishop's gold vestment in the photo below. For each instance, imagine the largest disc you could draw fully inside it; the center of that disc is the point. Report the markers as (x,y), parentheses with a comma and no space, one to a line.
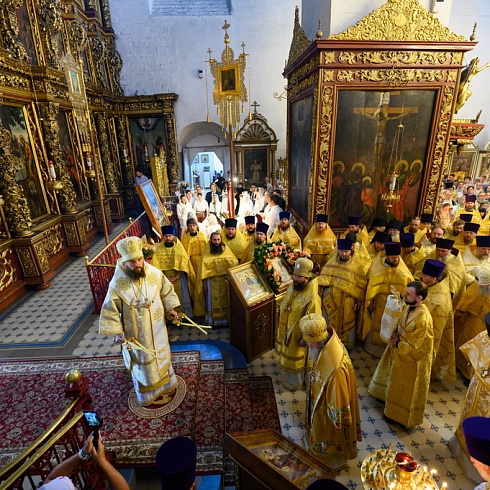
(402,376)
(137,309)
(343,299)
(333,425)
(294,306)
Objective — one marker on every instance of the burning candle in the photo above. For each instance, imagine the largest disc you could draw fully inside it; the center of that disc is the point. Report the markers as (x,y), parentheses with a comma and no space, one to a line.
(89,160)
(125,153)
(392,183)
(52,171)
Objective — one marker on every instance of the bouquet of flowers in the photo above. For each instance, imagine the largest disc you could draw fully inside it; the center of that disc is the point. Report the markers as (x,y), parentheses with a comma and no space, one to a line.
(148,251)
(283,251)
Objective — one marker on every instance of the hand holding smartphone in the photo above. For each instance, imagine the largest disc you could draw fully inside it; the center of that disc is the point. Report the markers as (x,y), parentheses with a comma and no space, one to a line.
(94,423)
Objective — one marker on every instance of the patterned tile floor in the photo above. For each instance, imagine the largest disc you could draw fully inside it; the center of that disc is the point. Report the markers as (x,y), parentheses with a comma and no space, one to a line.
(41,325)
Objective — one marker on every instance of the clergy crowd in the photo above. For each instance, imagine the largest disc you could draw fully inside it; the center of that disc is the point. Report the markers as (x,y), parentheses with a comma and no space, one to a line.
(415,294)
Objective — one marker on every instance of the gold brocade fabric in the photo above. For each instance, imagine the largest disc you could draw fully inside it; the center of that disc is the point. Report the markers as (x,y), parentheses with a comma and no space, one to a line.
(213,266)
(373,253)
(471,262)
(469,322)
(477,401)
(248,253)
(460,245)
(175,258)
(151,371)
(476,215)
(343,301)
(455,272)
(247,238)
(319,244)
(419,235)
(380,279)
(290,236)
(439,304)
(237,245)
(194,246)
(362,236)
(412,259)
(402,376)
(294,306)
(333,419)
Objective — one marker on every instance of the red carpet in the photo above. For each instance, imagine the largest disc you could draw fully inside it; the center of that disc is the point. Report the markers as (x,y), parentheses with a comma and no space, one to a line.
(32,396)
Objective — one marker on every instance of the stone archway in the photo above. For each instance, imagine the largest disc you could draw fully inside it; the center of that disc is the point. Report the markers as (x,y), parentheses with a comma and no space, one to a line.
(202,137)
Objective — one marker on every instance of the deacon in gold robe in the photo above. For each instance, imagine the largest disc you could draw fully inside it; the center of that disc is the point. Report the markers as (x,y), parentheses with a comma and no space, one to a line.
(402,377)
(333,422)
(379,224)
(320,240)
(389,271)
(439,304)
(477,401)
(300,299)
(212,281)
(286,233)
(232,237)
(193,241)
(470,208)
(261,230)
(138,300)
(172,259)
(469,314)
(345,288)
(377,246)
(416,229)
(411,254)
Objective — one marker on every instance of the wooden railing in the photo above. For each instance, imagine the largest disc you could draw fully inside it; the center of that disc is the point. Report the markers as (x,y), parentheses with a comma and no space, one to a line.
(62,439)
(101,269)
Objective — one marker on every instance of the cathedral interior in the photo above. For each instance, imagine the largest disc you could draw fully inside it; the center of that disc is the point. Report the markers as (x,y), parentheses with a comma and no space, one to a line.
(92,90)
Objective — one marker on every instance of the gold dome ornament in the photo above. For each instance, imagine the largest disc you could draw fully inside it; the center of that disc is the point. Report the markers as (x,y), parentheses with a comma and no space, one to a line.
(72,376)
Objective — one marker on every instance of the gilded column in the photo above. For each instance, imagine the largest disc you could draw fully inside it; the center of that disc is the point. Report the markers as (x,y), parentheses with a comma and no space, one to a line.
(16,208)
(10,29)
(67,196)
(126,165)
(172,156)
(105,153)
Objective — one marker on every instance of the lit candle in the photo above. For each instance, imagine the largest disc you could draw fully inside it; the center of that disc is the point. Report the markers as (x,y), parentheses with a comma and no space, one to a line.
(89,160)
(392,183)
(52,171)
(125,153)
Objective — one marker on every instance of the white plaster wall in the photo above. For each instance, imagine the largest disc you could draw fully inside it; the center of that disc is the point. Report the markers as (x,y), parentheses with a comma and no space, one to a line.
(163,54)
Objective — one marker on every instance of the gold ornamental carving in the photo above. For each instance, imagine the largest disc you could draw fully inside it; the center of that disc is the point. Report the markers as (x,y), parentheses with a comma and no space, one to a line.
(325,122)
(115,67)
(398,20)
(393,76)
(172,157)
(71,234)
(127,169)
(81,231)
(42,257)
(77,37)
(49,14)
(259,326)
(99,52)
(66,195)
(27,262)
(105,13)
(394,57)
(53,241)
(7,270)
(105,153)
(16,208)
(300,40)
(10,29)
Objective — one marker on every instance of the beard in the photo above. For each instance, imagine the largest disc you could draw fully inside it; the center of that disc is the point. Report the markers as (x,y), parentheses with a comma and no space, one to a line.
(193,234)
(391,264)
(444,260)
(136,274)
(284,227)
(251,232)
(169,244)
(343,260)
(217,249)
(410,303)
(259,241)
(299,286)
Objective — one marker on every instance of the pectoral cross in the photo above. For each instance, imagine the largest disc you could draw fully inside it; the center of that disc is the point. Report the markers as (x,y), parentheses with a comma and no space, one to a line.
(485,373)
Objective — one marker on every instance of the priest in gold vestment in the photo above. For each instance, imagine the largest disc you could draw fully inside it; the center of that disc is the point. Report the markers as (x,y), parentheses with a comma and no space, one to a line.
(439,304)
(385,272)
(320,240)
(212,281)
(232,237)
(477,401)
(345,287)
(469,314)
(286,233)
(193,241)
(300,299)
(402,377)
(172,259)
(333,422)
(134,310)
